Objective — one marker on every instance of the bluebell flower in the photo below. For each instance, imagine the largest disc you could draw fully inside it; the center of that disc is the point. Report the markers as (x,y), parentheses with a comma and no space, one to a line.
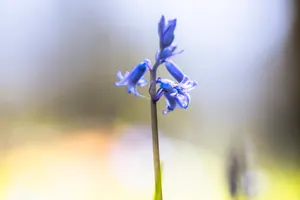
(174,94)
(179,76)
(166,86)
(166,32)
(134,78)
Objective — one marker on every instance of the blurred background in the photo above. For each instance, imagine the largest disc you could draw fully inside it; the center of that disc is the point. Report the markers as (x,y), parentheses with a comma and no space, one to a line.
(67,133)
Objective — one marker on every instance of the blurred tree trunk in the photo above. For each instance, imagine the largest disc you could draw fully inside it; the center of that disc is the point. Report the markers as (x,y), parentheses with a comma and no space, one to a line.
(285,122)
(295,67)
(293,80)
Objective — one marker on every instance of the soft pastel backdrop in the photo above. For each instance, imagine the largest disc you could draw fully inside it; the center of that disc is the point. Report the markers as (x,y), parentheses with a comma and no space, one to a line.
(68,133)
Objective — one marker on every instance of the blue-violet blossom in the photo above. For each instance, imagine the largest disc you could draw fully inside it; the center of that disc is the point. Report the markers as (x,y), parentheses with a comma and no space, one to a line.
(134,78)
(176,95)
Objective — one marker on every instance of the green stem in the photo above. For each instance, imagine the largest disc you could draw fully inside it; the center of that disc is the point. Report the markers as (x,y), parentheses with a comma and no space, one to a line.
(155,139)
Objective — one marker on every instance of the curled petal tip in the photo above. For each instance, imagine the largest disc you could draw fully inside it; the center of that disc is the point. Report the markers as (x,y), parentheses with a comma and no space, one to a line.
(147,61)
(148,64)
(169,109)
(165,112)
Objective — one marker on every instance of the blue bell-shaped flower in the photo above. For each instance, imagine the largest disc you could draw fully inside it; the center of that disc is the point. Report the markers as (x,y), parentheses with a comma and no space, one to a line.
(134,78)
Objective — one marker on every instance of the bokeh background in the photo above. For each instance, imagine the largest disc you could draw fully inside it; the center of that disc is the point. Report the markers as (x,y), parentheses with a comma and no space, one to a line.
(67,133)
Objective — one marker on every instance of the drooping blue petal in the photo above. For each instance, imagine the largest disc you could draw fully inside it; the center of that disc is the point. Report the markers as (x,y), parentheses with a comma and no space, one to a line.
(188,98)
(142,82)
(171,103)
(187,85)
(131,88)
(182,101)
(184,96)
(119,75)
(126,74)
(123,80)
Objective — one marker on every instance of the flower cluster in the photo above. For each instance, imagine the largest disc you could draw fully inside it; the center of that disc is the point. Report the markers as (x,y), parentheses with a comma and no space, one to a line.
(176,92)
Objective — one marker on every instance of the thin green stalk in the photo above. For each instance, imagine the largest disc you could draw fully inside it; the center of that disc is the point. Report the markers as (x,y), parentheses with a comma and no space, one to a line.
(155,138)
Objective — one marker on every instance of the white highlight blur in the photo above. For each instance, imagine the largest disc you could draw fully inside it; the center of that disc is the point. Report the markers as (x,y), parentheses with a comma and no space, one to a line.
(226,42)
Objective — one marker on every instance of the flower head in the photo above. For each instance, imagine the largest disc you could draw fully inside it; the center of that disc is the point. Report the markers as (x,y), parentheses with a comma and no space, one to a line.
(175,95)
(134,78)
